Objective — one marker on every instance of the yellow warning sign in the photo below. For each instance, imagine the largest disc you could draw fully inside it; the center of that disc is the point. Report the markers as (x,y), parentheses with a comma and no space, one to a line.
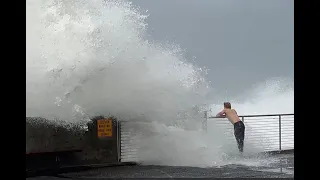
(104,128)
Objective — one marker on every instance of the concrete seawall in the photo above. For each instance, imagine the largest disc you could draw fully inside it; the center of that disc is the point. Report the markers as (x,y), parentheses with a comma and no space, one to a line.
(45,136)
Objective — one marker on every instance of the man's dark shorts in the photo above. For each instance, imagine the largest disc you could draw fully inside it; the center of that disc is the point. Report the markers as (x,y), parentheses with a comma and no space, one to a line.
(239,129)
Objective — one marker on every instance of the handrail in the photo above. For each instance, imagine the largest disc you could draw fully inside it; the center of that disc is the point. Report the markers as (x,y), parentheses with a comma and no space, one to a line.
(275,139)
(278,119)
(258,115)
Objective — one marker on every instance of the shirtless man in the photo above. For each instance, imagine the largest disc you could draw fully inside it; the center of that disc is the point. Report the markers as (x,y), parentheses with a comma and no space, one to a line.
(233,117)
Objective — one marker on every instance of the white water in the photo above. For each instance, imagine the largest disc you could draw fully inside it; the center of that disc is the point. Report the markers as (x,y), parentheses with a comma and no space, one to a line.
(87,58)
(275,96)
(174,146)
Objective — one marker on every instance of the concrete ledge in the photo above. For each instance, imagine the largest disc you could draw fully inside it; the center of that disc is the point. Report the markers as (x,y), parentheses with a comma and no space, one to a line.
(68,169)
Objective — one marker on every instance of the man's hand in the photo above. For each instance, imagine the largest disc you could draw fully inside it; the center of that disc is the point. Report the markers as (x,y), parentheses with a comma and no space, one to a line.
(221,114)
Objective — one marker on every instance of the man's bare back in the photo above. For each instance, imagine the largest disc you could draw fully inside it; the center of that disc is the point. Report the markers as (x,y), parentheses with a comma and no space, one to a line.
(231,114)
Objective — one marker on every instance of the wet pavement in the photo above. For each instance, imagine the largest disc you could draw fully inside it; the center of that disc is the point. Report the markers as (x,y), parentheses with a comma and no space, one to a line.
(273,166)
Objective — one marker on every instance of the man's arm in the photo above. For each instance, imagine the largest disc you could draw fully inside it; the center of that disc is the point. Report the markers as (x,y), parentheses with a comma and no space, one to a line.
(221,114)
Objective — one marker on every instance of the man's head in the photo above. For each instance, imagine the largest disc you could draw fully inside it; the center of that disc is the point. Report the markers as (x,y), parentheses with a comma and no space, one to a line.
(227,105)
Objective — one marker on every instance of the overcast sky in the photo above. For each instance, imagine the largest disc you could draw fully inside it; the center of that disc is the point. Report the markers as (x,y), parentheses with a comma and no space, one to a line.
(242,42)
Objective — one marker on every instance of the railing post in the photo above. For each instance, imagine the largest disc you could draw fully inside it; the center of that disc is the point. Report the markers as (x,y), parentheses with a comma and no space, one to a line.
(280,132)
(205,121)
(119,140)
(242,119)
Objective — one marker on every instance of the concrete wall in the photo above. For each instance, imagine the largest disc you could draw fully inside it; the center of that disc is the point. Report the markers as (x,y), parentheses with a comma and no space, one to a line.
(48,136)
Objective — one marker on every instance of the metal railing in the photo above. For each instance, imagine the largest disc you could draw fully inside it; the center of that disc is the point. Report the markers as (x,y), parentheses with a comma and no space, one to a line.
(271,132)
(127,137)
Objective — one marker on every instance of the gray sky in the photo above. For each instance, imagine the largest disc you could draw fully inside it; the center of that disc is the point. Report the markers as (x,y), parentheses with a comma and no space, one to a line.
(242,42)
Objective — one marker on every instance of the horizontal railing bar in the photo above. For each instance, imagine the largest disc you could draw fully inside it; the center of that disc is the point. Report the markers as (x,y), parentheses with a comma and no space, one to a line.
(131,147)
(256,144)
(269,138)
(126,136)
(128,153)
(134,149)
(287,142)
(269,135)
(129,159)
(288,145)
(264,140)
(270,117)
(259,137)
(129,156)
(285,147)
(124,153)
(267,128)
(129,141)
(261,141)
(251,119)
(287,136)
(275,133)
(263,127)
(263,131)
(225,121)
(253,125)
(260,115)
(266,118)
(261,119)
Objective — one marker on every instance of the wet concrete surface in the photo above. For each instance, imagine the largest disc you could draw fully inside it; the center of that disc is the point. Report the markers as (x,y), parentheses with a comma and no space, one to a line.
(272,166)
